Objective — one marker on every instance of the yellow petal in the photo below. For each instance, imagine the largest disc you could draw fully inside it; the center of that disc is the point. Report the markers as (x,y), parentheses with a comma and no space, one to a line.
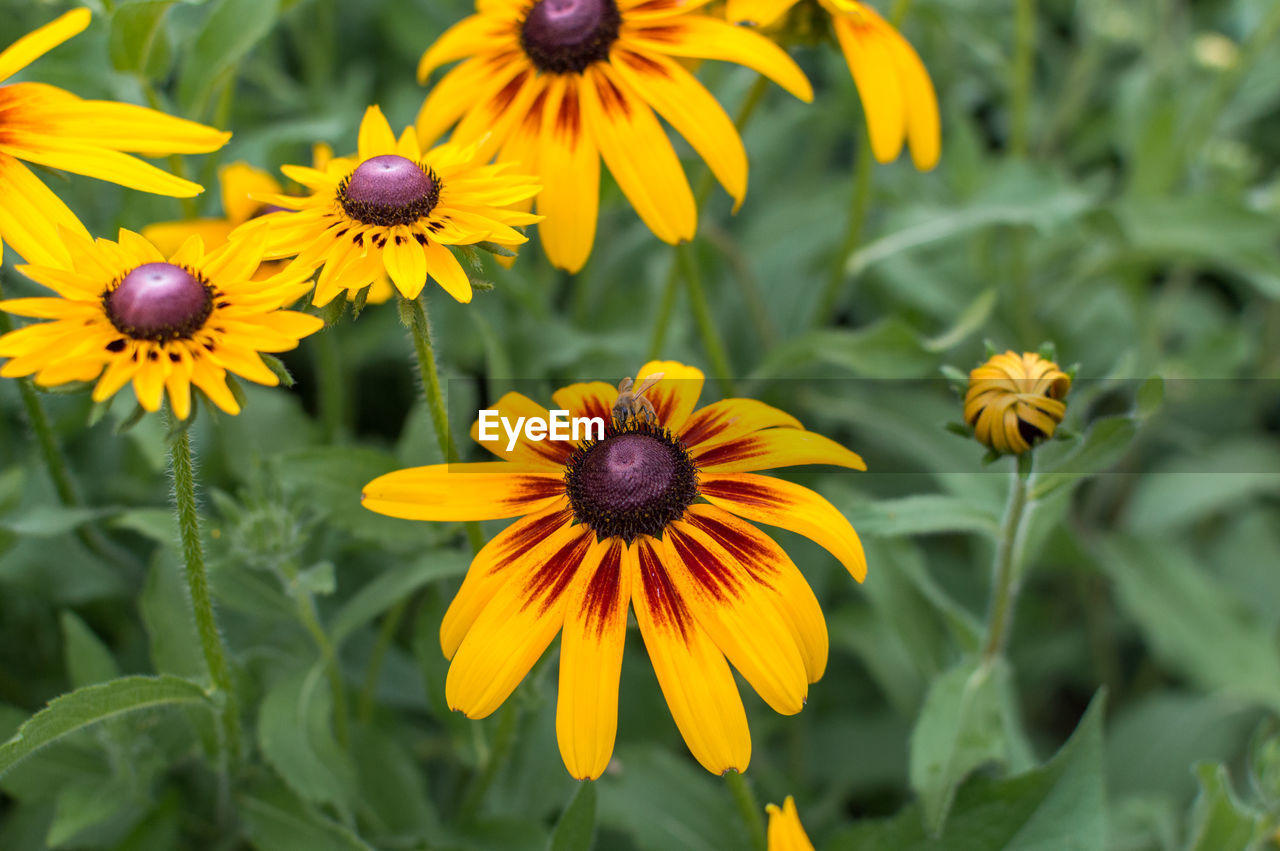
(376,137)
(569,166)
(447,271)
(772,448)
(103,164)
(674,396)
(31,215)
(483,491)
(405,263)
(513,407)
(465,38)
(924,133)
(35,44)
(761,13)
(785,831)
(729,419)
(876,73)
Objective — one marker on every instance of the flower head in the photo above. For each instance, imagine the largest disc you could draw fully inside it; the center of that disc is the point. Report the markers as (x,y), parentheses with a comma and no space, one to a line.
(656,516)
(1014,401)
(51,127)
(393,210)
(897,94)
(557,84)
(786,833)
(126,312)
(241,183)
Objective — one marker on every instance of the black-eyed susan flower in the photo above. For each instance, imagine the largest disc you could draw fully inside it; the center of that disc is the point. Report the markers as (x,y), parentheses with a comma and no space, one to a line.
(240,183)
(125,312)
(1014,401)
(786,833)
(897,94)
(393,210)
(557,84)
(657,516)
(50,127)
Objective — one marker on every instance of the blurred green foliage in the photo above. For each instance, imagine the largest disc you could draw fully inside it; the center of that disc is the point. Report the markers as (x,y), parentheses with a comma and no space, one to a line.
(1137,705)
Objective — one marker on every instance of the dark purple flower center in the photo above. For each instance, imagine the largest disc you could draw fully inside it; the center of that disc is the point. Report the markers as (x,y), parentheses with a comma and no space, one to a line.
(159,301)
(389,190)
(634,482)
(565,36)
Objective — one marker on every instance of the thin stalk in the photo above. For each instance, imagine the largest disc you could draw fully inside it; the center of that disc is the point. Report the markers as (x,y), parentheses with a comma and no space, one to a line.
(332,385)
(502,742)
(215,653)
(666,306)
(386,634)
(859,203)
(311,620)
(1006,571)
(60,471)
(420,330)
(1024,29)
(748,808)
(716,351)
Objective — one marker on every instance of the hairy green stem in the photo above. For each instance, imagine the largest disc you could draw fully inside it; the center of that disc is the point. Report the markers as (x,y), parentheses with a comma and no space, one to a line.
(716,351)
(748,808)
(332,385)
(215,653)
(1006,572)
(420,330)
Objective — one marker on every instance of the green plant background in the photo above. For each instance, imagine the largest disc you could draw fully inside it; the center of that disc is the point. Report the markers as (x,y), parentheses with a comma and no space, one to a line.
(1140,233)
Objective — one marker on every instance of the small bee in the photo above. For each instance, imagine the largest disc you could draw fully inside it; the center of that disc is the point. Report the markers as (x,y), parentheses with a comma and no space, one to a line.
(632,404)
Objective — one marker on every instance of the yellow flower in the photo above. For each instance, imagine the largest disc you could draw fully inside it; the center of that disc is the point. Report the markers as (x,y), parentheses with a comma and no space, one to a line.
(897,94)
(557,84)
(240,182)
(785,831)
(653,517)
(1015,401)
(394,210)
(126,313)
(50,127)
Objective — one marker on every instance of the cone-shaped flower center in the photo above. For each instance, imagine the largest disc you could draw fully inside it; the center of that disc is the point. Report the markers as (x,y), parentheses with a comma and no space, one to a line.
(565,36)
(159,301)
(634,482)
(389,190)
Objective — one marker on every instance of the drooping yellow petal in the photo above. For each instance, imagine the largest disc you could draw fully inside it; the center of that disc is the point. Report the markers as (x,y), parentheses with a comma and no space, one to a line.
(483,491)
(692,672)
(875,72)
(447,271)
(569,166)
(924,129)
(406,264)
(518,623)
(35,44)
(595,629)
(31,216)
(780,503)
(785,831)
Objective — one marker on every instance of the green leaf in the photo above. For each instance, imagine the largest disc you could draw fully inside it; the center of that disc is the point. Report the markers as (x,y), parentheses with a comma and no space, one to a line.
(576,830)
(962,726)
(887,349)
(925,514)
(86,805)
(229,33)
(295,735)
(973,318)
(51,521)
(391,587)
(1057,807)
(88,659)
(1191,622)
(1220,821)
(1105,444)
(1186,489)
(140,42)
(88,706)
(274,821)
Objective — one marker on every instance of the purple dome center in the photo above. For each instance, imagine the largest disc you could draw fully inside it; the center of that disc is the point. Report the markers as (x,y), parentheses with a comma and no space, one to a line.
(159,301)
(565,36)
(627,472)
(389,180)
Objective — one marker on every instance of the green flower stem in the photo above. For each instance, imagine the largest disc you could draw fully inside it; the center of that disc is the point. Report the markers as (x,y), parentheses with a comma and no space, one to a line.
(859,203)
(667,304)
(748,808)
(420,329)
(215,653)
(508,715)
(311,620)
(60,472)
(716,351)
(1006,576)
(332,385)
(373,671)
(1024,28)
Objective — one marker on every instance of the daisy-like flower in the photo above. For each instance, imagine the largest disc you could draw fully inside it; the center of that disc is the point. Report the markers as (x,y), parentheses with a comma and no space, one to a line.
(394,210)
(1015,401)
(124,312)
(897,94)
(557,84)
(51,127)
(240,183)
(657,517)
(786,833)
